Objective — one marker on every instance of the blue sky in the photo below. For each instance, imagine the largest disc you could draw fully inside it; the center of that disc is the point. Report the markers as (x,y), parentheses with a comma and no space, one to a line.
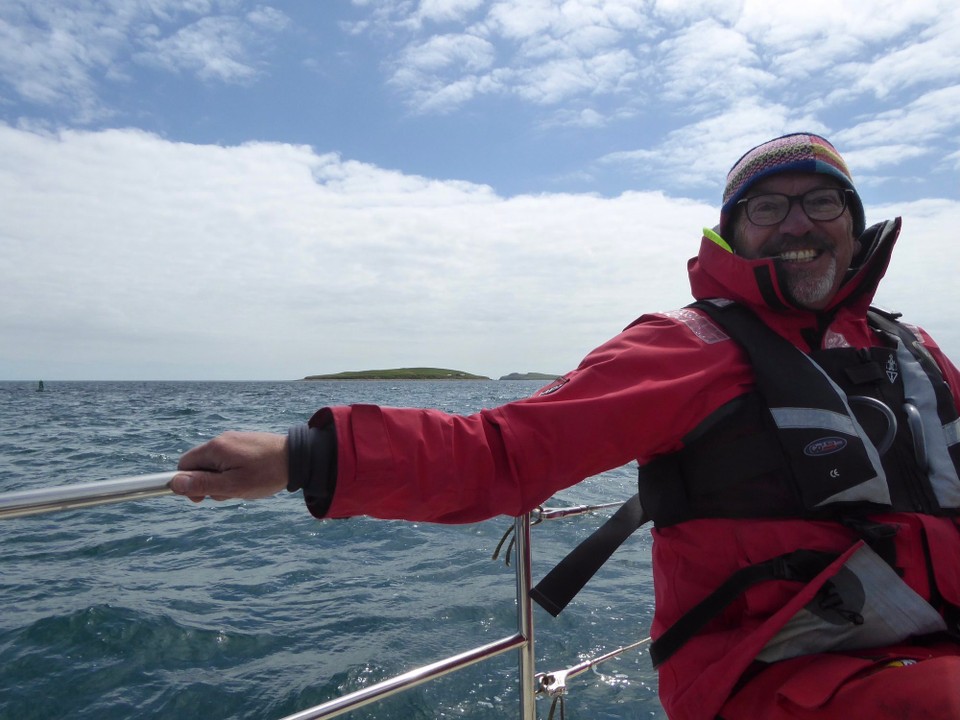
(237,190)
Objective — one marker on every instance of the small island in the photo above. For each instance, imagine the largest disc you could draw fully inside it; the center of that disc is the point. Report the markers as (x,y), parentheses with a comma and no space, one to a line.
(529,376)
(419,373)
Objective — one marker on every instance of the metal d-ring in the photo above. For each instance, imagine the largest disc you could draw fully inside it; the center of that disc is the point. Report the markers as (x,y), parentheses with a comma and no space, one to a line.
(885,410)
(915,423)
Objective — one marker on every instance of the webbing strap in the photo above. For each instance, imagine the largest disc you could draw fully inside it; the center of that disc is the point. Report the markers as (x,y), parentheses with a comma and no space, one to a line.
(799,566)
(561,584)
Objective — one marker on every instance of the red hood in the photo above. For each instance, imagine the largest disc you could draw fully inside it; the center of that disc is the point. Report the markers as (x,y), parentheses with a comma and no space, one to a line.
(718,273)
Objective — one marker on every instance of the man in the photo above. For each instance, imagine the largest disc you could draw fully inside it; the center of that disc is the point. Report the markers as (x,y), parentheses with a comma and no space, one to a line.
(799,462)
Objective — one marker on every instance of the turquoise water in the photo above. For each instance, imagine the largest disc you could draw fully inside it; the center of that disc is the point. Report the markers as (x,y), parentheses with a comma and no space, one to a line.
(164,609)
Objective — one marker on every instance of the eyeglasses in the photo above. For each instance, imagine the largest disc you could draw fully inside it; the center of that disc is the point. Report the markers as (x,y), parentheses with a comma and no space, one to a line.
(819,204)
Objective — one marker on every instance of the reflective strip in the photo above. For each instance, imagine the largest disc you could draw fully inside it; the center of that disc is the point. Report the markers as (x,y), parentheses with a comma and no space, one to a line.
(874,489)
(701,326)
(951,433)
(867,586)
(919,391)
(794,418)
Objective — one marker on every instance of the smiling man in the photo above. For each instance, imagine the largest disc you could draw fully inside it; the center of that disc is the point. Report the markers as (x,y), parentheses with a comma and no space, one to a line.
(798,451)
(803,217)
(800,221)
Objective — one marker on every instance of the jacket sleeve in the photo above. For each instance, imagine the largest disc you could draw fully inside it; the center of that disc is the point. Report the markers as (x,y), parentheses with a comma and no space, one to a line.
(632,398)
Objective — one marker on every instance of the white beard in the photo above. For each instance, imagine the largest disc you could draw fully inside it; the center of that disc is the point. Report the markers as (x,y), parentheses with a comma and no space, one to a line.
(809,291)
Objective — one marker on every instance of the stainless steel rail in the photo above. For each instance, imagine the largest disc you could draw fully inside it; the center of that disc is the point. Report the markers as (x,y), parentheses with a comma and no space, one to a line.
(80,495)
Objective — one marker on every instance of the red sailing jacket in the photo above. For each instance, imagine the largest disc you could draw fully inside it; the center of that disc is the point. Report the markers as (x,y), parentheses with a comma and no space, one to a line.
(634,398)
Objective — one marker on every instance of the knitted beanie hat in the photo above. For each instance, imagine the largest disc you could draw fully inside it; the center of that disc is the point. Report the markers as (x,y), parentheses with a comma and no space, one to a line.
(797,152)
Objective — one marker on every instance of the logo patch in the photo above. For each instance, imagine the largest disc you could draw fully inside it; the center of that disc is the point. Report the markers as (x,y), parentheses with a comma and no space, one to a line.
(891,368)
(825,446)
(552,387)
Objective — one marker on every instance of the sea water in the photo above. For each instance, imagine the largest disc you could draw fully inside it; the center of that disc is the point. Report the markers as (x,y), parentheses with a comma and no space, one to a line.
(161,608)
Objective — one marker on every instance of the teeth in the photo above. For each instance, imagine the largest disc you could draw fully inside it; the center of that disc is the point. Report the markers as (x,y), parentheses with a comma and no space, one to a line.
(797,255)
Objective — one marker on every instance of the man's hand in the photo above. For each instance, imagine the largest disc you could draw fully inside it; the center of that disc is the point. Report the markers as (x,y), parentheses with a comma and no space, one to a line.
(245,465)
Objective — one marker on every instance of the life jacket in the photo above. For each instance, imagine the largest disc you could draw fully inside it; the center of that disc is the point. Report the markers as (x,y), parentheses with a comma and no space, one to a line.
(838,435)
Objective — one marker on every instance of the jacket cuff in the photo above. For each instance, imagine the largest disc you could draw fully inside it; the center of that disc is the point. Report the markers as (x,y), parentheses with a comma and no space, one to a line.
(312,465)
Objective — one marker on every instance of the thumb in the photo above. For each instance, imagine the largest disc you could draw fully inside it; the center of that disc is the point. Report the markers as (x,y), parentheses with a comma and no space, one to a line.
(192,485)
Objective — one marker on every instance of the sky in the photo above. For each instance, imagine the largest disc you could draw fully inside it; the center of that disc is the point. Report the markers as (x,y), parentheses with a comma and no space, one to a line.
(229,190)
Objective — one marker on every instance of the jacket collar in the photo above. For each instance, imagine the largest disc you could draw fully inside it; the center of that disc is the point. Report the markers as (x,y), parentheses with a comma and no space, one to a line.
(718,273)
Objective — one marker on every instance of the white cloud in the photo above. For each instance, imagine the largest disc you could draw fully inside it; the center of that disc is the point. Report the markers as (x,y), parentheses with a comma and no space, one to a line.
(932,115)
(268,260)
(443,52)
(677,13)
(880,156)
(821,34)
(216,48)
(128,256)
(446,10)
(541,51)
(699,154)
(709,62)
(875,48)
(268,18)
(523,20)
(58,54)
(433,71)
(918,130)
(560,79)
(704,80)
(520,19)
(878,74)
(210,47)
(926,257)
(737,50)
(953,158)
(587,118)
(48,55)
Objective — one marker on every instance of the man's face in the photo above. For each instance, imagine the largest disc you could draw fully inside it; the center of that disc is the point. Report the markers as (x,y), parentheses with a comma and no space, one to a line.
(813,255)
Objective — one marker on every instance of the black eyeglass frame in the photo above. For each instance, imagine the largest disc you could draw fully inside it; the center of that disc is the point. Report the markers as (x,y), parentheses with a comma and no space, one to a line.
(791,199)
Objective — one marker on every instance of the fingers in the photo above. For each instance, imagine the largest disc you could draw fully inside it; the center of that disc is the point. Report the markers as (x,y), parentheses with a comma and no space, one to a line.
(211,455)
(233,465)
(197,485)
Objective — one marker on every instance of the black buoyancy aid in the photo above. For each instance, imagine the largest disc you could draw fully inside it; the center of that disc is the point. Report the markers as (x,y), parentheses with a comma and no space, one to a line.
(838,433)
(835,435)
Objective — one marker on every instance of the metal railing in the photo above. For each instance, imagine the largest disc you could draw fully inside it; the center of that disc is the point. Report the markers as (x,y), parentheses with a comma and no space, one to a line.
(33,502)
(81,495)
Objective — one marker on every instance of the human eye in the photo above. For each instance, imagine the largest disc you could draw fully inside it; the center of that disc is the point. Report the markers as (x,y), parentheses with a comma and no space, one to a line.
(825,200)
(765,207)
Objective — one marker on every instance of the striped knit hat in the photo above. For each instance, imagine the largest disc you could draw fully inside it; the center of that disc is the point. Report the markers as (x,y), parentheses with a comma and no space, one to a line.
(798,152)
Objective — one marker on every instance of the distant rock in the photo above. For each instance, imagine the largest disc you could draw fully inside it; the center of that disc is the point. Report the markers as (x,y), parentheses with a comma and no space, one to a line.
(400,374)
(530,376)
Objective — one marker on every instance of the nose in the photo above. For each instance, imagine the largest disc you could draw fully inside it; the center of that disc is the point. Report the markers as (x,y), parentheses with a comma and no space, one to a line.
(796,222)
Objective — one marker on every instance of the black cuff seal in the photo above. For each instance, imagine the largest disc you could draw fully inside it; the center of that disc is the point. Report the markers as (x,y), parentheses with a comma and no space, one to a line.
(312,465)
